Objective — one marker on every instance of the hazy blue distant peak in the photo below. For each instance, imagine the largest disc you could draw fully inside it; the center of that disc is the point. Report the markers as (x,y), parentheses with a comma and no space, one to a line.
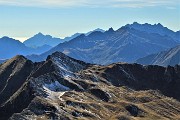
(156,28)
(159,24)
(145,24)
(72,36)
(39,35)
(5,37)
(99,29)
(40,39)
(42,35)
(10,47)
(149,27)
(136,23)
(96,30)
(8,39)
(110,30)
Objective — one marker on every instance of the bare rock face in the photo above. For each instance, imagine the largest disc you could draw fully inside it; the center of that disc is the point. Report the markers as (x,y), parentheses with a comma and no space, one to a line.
(18,68)
(138,77)
(64,88)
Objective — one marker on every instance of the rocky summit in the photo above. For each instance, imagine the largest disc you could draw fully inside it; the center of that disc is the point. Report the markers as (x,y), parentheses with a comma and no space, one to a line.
(63,88)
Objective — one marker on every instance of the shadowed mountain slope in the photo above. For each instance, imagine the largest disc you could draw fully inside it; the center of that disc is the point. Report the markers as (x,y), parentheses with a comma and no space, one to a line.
(165,58)
(10,47)
(65,88)
(125,45)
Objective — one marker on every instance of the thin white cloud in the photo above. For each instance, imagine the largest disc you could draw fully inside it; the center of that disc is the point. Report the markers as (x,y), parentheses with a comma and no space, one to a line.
(144,3)
(42,3)
(92,3)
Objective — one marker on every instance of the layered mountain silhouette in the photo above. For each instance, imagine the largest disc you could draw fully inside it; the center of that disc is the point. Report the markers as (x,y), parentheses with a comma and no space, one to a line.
(165,58)
(37,44)
(72,37)
(78,34)
(65,88)
(10,47)
(39,40)
(96,30)
(125,44)
(156,28)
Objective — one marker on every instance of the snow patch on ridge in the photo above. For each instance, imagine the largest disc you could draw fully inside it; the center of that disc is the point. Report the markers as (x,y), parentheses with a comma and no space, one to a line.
(56,86)
(55,90)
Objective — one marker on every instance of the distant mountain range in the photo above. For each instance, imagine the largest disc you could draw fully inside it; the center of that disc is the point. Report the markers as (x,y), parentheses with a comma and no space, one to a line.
(37,44)
(165,58)
(156,28)
(39,40)
(96,30)
(87,77)
(126,44)
(63,88)
(10,47)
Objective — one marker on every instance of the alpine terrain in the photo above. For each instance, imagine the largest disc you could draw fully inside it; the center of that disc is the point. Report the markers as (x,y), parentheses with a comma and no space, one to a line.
(63,88)
(126,44)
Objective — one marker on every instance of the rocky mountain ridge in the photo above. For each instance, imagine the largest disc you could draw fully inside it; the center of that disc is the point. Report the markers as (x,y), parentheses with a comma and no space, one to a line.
(65,88)
(123,45)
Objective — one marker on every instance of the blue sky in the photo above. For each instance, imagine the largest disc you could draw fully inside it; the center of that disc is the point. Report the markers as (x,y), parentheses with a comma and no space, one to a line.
(22,19)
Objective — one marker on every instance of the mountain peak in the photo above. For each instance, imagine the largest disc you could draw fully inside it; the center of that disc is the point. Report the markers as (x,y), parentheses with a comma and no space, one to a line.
(159,25)
(18,58)
(39,34)
(7,38)
(154,28)
(99,29)
(66,63)
(136,23)
(55,54)
(96,30)
(39,39)
(110,30)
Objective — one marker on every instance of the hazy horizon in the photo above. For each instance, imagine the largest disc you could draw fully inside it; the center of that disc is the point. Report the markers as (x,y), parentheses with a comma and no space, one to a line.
(59,18)
(22,39)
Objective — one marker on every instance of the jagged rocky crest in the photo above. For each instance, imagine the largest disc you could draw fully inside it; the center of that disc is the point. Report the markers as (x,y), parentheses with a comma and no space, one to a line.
(127,44)
(65,88)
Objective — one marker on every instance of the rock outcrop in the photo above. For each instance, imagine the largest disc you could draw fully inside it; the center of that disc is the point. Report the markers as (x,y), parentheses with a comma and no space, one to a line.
(64,88)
